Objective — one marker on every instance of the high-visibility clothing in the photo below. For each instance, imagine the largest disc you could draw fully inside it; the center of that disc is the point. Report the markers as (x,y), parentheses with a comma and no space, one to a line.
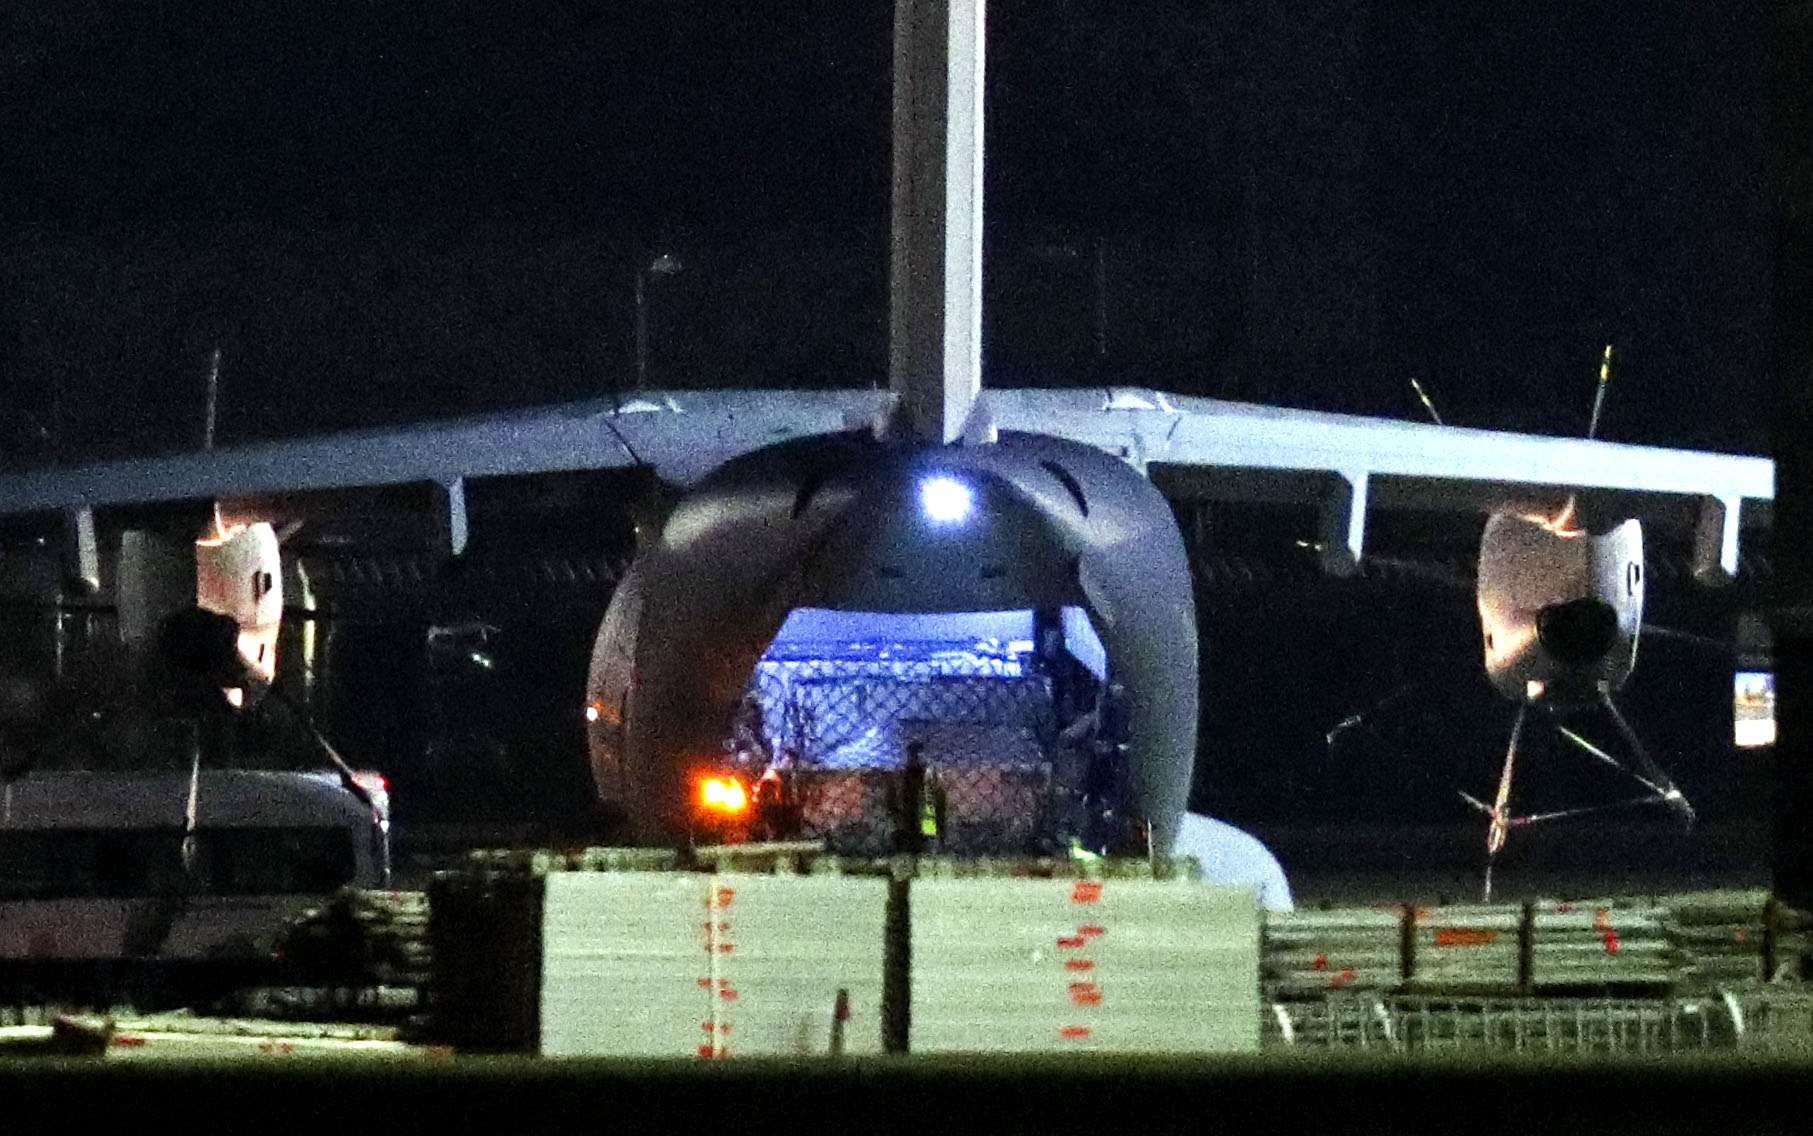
(919,804)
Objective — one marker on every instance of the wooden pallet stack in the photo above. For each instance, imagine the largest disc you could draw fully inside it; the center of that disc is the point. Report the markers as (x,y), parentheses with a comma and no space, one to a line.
(1598,945)
(364,953)
(1114,964)
(1738,936)
(711,965)
(1310,953)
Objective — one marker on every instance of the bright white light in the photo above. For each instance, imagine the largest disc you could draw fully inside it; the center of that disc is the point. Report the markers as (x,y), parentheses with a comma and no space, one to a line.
(1753,709)
(1755,734)
(945,499)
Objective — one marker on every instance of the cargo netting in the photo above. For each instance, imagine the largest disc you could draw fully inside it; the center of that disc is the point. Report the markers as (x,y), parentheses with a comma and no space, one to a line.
(989,724)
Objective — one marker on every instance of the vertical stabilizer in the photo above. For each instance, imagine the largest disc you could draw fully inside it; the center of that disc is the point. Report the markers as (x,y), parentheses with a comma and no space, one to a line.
(935,274)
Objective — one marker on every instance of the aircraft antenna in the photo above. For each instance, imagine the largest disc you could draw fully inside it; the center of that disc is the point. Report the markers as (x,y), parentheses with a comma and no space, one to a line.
(207,429)
(1428,404)
(1565,518)
(213,404)
(1605,380)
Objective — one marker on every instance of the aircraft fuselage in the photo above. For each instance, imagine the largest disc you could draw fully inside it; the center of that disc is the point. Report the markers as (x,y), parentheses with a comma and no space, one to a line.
(845,522)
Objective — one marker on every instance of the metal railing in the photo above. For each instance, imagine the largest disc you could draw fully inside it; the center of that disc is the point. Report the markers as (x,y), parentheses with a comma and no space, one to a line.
(1766,1020)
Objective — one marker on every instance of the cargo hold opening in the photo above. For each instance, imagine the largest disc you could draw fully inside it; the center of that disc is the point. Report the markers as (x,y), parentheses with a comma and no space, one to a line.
(1008,704)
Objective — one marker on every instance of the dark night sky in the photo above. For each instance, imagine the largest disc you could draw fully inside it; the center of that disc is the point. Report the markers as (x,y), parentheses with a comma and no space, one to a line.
(388,212)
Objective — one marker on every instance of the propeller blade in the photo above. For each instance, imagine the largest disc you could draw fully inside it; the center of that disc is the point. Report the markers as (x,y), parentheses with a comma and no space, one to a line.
(1363,718)
(1501,804)
(1475,802)
(1584,810)
(1343,726)
(1656,779)
(1702,641)
(1595,751)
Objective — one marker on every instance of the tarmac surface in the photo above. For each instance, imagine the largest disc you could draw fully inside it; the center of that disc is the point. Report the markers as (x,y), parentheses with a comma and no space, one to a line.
(1343,865)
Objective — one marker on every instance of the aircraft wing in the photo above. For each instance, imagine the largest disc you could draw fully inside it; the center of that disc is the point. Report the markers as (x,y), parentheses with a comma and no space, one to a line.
(1195,446)
(1347,464)
(682,434)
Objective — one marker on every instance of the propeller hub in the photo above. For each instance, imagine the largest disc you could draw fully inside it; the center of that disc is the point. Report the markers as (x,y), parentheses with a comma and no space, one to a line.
(204,644)
(1578,632)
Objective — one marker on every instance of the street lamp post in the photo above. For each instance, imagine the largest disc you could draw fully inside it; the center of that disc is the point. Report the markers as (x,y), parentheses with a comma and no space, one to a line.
(662,265)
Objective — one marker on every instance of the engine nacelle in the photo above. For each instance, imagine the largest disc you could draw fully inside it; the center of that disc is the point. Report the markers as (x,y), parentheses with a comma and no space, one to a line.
(240,575)
(1560,609)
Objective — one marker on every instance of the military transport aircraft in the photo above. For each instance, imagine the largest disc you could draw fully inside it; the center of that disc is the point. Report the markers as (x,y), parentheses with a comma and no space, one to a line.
(930,497)
(793,503)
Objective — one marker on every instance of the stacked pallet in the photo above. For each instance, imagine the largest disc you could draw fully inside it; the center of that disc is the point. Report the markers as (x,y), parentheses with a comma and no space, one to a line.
(1466,947)
(1309,953)
(785,857)
(394,927)
(1484,948)
(1001,965)
(1735,937)
(712,966)
(489,924)
(1720,935)
(402,1004)
(187,1038)
(485,929)
(1599,944)
(1793,944)
(363,939)
(1055,867)
(541,861)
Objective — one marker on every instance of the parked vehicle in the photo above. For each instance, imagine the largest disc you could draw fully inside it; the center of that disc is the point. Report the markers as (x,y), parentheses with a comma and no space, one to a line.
(168,869)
